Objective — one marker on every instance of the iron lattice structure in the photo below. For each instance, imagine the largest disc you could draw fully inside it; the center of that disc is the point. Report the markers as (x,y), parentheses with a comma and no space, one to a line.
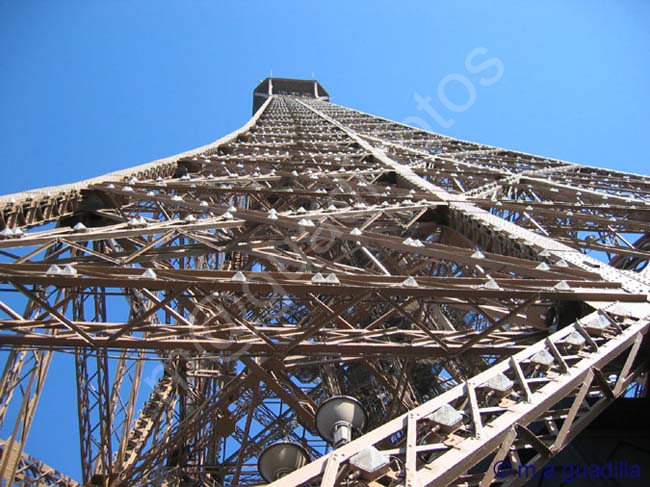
(212,300)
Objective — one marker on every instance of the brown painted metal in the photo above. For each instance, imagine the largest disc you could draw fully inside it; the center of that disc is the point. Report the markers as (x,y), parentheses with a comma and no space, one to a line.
(213,299)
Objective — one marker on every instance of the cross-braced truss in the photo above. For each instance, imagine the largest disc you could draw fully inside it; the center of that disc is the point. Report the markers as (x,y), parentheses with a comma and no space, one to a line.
(214,299)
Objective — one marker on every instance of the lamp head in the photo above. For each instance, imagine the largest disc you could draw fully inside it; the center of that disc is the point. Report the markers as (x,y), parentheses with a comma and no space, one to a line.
(281,459)
(337,417)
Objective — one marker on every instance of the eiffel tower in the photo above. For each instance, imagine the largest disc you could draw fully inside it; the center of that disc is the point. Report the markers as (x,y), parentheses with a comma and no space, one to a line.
(323,297)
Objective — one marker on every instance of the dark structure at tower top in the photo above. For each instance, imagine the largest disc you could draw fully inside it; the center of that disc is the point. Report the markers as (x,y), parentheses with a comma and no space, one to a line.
(286,86)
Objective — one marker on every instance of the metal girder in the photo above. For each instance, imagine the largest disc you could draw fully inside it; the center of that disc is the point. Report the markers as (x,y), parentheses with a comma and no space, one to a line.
(437,453)
(317,251)
(31,472)
(22,382)
(35,207)
(94,411)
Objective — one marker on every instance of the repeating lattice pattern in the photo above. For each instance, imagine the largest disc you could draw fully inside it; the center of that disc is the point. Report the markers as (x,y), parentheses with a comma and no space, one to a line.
(214,299)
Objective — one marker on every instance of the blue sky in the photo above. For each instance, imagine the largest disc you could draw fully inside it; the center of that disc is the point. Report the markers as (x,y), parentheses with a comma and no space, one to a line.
(88,87)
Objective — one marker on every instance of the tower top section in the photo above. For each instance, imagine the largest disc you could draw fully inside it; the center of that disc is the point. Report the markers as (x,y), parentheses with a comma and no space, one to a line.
(309,88)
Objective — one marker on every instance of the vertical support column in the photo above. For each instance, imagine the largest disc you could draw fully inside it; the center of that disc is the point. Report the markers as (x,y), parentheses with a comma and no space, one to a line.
(93,398)
(94,412)
(24,373)
(30,385)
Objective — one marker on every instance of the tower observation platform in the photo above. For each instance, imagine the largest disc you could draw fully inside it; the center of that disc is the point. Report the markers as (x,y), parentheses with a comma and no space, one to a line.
(285,86)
